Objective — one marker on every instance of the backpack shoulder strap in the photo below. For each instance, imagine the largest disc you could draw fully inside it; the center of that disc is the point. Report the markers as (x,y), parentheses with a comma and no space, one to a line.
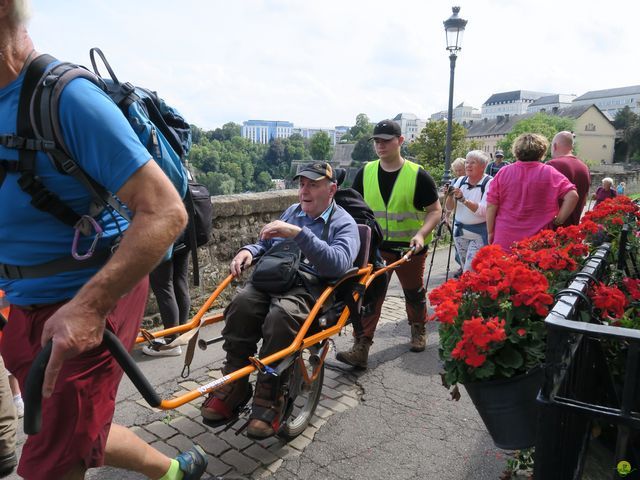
(483,185)
(41,197)
(38,116)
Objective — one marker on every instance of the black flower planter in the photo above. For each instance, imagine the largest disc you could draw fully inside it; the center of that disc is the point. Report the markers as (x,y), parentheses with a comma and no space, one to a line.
(508,408)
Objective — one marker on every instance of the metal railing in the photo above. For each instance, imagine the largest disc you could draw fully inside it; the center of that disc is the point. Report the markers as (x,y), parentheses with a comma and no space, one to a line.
(579,387)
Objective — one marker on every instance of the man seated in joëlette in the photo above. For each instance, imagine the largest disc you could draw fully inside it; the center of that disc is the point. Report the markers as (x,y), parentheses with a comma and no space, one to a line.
(328,239)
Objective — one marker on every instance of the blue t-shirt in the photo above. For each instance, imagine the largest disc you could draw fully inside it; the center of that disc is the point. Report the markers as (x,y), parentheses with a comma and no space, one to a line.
(103,143)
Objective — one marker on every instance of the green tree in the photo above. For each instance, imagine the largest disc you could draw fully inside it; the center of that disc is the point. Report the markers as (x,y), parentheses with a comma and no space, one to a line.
(263,182)
(296,148)
(542,123)
(230,130)
(217,183)
(429,148)
(629,122)
(362,129)
(320,146)
(363,151)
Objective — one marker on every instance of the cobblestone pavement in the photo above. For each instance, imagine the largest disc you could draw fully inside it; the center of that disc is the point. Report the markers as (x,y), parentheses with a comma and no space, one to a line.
(344,432)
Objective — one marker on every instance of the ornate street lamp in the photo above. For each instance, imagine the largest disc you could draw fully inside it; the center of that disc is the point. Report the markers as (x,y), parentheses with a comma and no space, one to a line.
(454,28)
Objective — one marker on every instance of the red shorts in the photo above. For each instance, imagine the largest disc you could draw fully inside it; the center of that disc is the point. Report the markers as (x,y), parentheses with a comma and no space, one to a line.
(76,419)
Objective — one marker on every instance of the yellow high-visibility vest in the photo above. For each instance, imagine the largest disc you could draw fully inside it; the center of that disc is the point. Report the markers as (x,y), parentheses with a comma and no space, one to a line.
(399,219)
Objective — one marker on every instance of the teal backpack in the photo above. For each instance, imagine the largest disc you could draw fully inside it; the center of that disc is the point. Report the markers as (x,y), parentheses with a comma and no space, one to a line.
(161,128)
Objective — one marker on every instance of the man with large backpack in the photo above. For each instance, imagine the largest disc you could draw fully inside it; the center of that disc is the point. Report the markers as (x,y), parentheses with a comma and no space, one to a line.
(70,299)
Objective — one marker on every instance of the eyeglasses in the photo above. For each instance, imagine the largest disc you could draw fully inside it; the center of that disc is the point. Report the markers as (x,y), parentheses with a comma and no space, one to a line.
(381,140)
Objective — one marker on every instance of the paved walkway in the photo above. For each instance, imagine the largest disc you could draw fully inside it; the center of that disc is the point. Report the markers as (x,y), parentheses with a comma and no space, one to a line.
(393,421)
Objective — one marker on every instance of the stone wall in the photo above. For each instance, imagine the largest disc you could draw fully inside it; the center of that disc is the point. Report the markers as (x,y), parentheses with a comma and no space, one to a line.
(618,173)
(237,220)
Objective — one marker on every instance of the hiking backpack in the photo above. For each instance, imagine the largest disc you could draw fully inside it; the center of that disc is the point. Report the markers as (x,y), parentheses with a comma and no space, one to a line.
(160,128)
(354,204)
(483,184)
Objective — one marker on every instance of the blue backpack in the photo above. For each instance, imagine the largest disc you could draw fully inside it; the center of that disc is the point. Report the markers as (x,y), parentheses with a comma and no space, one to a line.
(161,128)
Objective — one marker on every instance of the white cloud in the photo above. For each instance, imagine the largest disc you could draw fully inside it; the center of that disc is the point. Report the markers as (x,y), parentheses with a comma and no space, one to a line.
(322,63)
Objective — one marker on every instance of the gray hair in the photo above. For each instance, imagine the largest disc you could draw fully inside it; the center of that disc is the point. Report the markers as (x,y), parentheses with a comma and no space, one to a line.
(21,11)
(608,179)
(478,155)
(456,162)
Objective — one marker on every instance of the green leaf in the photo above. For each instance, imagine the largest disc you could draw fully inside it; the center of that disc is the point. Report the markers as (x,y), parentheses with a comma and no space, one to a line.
(509,357)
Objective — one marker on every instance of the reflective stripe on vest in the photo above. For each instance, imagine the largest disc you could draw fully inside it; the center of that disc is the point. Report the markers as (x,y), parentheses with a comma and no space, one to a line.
(399,219)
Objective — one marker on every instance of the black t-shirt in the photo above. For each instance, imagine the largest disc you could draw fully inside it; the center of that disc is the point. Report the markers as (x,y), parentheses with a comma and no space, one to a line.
(426,191)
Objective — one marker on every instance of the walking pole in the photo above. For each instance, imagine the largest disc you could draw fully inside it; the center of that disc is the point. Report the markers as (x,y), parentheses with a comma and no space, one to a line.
(443,222)
(453,222)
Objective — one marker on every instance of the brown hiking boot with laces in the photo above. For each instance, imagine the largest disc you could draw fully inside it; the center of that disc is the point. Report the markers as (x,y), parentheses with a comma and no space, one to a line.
(418,337)
(358,355)
(267,408)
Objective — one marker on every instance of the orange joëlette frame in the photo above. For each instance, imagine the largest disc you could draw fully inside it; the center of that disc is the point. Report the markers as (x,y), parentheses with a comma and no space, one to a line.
(366,274)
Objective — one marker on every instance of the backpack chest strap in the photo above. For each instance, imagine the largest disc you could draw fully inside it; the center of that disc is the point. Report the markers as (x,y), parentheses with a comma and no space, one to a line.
(59,265)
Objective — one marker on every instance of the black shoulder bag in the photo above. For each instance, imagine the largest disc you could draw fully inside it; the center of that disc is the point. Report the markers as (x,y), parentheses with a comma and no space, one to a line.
(277,271)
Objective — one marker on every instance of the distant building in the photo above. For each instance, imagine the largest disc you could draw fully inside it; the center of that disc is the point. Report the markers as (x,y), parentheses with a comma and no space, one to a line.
(410,125)
(509,103)
(550,103)
(612,99)
(263,131)
(595,134)
(307,132)
(461,113)
(340,131)
(278,183)
(438,116)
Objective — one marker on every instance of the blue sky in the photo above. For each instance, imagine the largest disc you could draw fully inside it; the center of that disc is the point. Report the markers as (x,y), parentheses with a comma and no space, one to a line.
(319,64)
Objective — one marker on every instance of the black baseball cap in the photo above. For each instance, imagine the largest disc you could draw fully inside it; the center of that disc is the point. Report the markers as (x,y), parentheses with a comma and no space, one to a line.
(386,130)
(316,171)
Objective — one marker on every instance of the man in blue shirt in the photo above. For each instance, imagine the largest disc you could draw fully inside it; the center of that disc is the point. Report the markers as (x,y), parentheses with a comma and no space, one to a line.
(72,306)
(327,237)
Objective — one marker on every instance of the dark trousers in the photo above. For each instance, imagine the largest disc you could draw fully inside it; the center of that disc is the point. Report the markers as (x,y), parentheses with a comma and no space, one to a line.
(252,314)
(170,284)
(7,415)
(411,276)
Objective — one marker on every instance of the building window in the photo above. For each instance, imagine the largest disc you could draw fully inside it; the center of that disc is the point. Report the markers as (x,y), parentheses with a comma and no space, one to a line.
(589,127)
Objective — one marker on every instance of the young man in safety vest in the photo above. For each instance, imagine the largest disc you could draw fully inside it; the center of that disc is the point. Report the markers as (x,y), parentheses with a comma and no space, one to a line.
(404,199)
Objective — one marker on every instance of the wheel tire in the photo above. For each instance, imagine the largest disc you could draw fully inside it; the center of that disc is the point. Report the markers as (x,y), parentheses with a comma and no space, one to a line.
(305,404)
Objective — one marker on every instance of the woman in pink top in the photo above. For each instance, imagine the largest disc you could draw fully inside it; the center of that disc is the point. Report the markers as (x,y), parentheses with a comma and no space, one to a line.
(523,197)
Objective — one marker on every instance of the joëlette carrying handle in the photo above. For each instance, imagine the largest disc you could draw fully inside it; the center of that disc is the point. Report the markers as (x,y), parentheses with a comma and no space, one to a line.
(35,378)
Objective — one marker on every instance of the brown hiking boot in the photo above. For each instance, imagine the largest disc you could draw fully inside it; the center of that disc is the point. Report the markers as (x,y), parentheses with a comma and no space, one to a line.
(267,408)
(224,403)
(358,355)
(418,337)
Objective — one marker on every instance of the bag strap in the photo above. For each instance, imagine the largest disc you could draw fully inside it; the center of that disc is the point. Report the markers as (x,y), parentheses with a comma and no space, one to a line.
(483,185)
(38,129)
(191,235)
(41,197)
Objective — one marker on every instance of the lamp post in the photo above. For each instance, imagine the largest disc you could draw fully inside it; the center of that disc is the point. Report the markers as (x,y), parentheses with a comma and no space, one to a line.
(454,28)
